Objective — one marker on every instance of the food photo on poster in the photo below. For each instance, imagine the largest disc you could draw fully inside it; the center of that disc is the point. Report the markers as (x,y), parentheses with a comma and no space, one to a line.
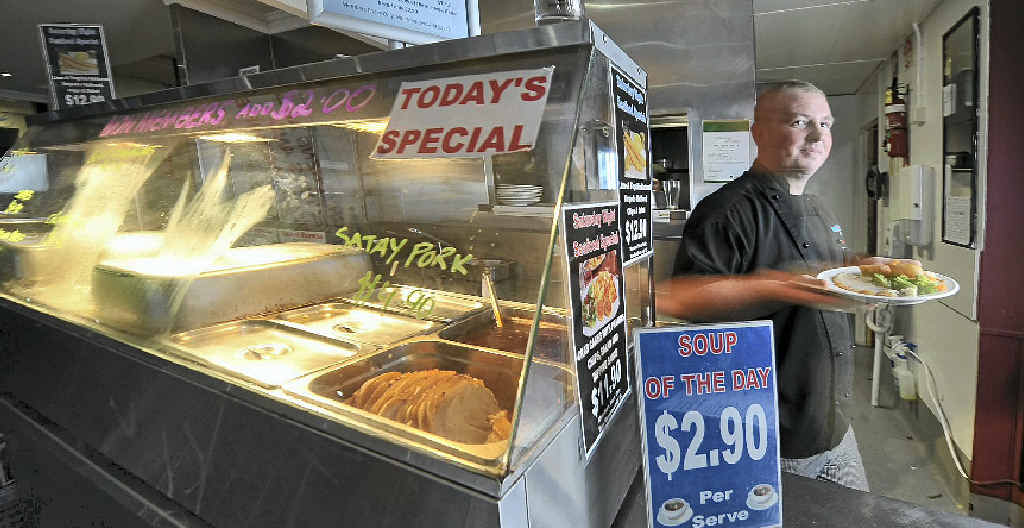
(594,264)
(709,420)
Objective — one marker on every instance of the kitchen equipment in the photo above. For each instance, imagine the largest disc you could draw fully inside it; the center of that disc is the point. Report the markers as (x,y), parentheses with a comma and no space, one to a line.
(152,295)
(498,370)
(353,324)
(31,257)
(262,352)
(552,341)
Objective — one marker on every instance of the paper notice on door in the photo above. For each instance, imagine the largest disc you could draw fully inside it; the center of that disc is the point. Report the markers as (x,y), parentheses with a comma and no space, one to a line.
(958,220)
(948,100)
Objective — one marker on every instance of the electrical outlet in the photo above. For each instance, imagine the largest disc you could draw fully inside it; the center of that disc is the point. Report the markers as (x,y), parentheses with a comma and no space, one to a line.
(919,115)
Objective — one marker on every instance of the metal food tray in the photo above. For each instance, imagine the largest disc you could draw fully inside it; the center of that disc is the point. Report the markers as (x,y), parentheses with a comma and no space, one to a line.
(32,257)
(354,324)
(262,352)
(552,343)
(147,296)
(549,384)
(447,307)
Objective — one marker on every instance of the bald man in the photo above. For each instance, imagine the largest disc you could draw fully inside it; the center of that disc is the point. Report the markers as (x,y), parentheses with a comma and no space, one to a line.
(743,256)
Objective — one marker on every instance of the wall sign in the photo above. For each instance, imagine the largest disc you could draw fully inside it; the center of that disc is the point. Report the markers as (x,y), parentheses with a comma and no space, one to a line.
(594,265)
(726,149)
(466,117)
(709,423)
(76,64)
(413,21)
(634,170)
(331,102)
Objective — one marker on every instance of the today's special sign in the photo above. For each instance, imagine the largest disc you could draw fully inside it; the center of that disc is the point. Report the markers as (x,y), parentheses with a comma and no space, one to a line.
(709,420)
(470,116)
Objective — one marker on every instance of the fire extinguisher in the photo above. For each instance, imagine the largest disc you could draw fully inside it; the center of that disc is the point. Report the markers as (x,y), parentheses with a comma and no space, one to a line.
(896,142)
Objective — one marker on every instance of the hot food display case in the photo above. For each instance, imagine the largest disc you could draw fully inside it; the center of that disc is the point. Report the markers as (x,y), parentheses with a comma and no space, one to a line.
(274,301)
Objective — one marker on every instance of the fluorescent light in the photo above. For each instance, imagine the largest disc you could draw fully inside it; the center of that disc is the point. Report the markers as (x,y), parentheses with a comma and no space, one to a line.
(370,126)
(234,137)
(6,74)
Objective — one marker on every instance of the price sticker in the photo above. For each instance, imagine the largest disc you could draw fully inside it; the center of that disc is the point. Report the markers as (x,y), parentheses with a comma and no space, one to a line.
(709,415)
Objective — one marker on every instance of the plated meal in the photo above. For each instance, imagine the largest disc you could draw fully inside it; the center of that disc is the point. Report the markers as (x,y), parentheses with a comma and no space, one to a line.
(456,406)
(896,282)
(599,289)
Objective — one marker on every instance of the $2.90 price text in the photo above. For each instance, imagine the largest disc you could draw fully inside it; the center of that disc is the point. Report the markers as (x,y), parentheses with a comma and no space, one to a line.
(741,434)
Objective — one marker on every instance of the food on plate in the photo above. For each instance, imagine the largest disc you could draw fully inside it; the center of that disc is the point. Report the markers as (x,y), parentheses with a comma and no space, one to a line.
(599,303)
(896,278)
(442,402)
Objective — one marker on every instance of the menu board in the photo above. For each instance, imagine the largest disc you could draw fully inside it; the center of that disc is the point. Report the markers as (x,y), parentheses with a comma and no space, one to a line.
(634,170)
(76,64)
(413,21)
(596,291)
(709,425)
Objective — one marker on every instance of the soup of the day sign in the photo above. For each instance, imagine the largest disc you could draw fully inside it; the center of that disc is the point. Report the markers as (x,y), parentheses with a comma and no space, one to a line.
(709,421)
(466,117)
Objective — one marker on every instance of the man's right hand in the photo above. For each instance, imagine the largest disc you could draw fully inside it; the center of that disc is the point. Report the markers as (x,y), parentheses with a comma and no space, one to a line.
(742,297)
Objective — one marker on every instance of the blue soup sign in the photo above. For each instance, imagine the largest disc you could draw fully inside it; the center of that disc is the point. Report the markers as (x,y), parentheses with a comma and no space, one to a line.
(709,415)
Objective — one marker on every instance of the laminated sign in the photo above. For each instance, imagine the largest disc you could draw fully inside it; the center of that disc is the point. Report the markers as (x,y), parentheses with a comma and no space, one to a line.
(466,117)
(593,259)
(709,422)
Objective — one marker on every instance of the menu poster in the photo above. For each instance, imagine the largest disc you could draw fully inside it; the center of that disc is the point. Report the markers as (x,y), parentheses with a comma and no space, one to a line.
(634,171)
(708,407)
(596,290)
(76,64)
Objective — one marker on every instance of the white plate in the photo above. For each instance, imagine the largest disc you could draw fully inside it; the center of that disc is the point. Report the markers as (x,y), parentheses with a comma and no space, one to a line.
(589,331)
(519,203)
(828,276)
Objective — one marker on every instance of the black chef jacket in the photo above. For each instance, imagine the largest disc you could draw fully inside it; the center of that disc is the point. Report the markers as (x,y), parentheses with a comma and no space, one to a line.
(753,223)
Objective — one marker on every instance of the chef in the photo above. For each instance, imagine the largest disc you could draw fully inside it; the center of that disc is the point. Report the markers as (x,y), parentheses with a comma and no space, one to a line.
(743,256)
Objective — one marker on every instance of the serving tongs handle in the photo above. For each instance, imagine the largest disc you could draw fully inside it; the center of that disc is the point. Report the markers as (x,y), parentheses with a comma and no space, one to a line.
(494,299)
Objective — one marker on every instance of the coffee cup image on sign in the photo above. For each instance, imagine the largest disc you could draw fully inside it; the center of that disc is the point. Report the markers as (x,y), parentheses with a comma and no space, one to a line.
(762,497)
(674,512)
(78,63)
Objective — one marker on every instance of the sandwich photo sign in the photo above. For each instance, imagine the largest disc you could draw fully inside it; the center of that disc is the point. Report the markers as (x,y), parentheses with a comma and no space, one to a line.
(708,407)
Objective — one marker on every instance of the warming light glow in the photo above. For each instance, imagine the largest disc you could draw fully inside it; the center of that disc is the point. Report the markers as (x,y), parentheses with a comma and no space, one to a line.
(370,126)
(235,137)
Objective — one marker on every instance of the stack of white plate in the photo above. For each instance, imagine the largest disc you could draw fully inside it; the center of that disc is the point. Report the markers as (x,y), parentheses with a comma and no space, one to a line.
(518,195)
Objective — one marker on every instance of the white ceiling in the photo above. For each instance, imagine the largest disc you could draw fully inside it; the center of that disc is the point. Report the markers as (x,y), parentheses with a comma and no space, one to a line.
(833,44)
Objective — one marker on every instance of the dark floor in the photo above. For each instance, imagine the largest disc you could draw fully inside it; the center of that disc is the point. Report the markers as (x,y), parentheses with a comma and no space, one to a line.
(897,463)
